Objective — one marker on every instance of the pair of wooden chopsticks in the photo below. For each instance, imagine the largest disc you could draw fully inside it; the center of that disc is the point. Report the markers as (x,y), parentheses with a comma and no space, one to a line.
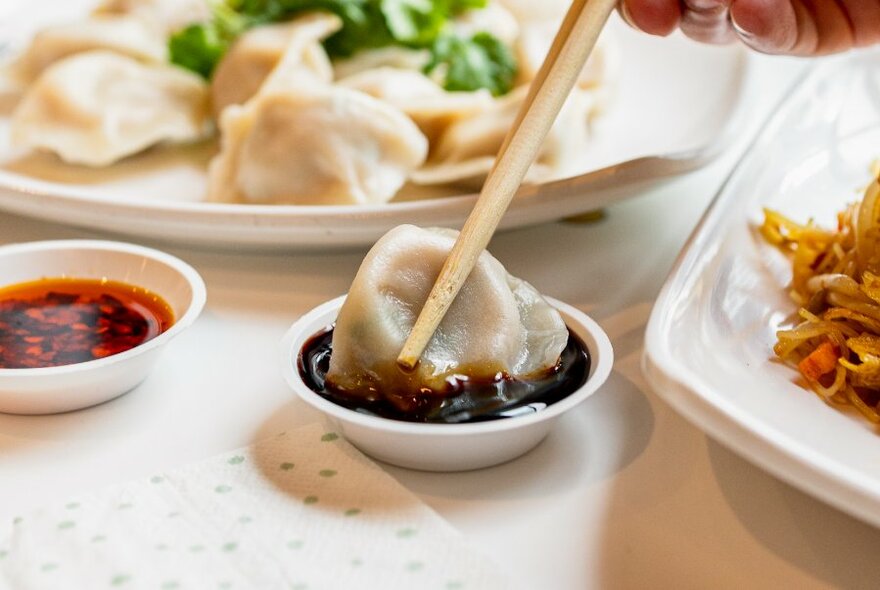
(572,46)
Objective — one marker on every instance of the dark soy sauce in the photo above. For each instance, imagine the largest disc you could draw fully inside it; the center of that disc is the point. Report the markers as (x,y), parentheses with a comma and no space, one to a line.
(471,400)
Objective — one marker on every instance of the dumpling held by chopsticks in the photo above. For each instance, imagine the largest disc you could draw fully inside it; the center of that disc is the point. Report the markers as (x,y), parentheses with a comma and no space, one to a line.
(498,325)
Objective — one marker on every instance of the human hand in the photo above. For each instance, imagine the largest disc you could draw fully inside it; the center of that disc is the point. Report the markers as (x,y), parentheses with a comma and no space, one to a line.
(793,27)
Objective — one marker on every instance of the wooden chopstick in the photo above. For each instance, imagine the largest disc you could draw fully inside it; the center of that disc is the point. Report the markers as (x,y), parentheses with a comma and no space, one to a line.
(572,46)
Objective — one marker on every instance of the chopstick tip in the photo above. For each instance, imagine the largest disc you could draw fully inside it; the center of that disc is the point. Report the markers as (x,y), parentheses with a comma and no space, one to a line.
(407,363)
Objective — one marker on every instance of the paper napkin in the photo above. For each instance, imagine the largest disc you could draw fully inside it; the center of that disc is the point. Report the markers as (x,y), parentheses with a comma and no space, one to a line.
(302,511)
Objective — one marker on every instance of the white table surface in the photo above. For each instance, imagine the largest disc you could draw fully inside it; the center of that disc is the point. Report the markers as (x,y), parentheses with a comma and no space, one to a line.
(624,494)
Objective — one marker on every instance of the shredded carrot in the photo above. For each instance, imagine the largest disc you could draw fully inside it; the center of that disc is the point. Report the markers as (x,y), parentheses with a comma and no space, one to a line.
(820,362)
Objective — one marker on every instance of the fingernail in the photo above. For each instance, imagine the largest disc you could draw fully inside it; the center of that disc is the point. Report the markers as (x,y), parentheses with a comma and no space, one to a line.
(624,12)
(758,43)
(746,35)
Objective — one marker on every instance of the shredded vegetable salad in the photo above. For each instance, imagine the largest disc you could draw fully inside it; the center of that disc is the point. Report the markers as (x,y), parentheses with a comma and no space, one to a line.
(836,283)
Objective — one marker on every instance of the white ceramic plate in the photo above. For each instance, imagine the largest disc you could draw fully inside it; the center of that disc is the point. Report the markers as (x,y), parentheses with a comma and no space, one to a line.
(666,119)
(708,345)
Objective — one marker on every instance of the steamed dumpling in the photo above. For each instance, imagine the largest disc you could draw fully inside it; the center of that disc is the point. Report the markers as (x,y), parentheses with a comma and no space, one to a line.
(535,40)
(165,15)
(399,58)
(497,324)
(530,11)
(431,107)
(97,107)
(538,24)
(247,65)
(304,141)
(307,143)
(465,152)
(494,18)
(120,34)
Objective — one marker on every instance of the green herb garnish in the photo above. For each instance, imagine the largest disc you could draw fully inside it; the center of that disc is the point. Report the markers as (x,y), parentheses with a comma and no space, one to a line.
(197,48)
(470,64)
(457,63)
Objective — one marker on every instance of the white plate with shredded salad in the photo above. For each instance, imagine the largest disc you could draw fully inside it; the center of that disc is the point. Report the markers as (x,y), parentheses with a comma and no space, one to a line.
(662,120)
(710,341)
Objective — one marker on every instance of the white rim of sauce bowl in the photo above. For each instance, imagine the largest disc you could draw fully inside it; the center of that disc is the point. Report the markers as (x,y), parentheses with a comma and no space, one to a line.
(445,447)
(64,388)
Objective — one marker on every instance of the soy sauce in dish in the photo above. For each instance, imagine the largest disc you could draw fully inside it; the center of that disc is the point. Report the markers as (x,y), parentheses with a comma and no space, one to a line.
(62,321)
(466,400)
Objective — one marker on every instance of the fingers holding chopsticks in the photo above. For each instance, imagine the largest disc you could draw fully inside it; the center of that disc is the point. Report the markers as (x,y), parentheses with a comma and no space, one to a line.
(792,27)
(703,20)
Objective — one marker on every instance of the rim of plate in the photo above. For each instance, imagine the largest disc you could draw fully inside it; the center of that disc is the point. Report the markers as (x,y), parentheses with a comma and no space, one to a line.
(632,171)
(713,413)
(43,189)
(601,362)
(187,272)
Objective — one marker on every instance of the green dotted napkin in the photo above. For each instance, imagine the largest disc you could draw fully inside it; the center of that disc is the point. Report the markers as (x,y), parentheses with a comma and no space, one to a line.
(303,511)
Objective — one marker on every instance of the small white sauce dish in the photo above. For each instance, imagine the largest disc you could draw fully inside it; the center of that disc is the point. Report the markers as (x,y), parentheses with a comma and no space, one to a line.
(444,447)
(70,387)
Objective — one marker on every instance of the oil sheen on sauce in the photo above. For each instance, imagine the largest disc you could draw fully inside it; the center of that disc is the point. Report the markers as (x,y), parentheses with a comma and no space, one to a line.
(470,400)
(62,321)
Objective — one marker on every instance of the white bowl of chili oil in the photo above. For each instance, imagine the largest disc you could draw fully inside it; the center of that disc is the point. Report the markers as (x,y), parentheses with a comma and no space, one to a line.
(83,321)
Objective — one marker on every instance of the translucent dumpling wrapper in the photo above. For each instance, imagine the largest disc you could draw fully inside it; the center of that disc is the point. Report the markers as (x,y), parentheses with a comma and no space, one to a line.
(494,18)
(165,15)
(257,53)
(314,144)
(465,152)
(431,107)
(534,42)
(400,58)
(124,35)
(98,107)
(498,324)
(526,11)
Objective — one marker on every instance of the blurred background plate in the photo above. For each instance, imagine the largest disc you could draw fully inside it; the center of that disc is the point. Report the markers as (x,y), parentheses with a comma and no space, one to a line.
(709,345)
(677,106)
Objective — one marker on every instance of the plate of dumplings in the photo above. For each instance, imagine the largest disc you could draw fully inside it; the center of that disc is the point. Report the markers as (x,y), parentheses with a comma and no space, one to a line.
(169,120)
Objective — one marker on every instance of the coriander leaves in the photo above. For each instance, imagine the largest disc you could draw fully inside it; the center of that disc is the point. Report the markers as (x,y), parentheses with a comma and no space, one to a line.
(471,64)
(197,48)
(457,63)
(414,22)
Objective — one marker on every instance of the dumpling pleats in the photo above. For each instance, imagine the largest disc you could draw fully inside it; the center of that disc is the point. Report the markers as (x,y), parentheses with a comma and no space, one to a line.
(124,35)
(430,107)
(96,108)
(464,150)
(302,140)
(247,65)
(165,15)
(314,144)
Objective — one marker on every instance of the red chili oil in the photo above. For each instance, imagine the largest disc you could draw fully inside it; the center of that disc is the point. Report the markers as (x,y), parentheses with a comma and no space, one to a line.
(62,321)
